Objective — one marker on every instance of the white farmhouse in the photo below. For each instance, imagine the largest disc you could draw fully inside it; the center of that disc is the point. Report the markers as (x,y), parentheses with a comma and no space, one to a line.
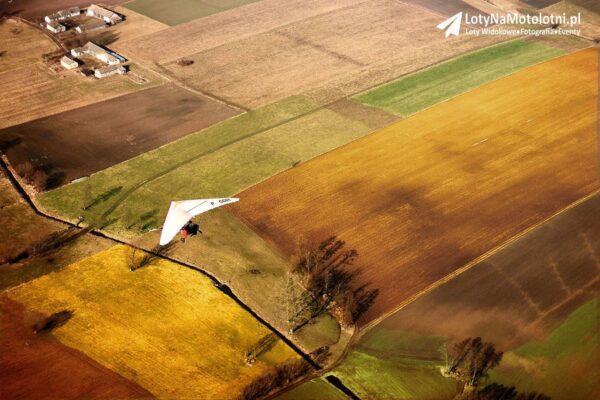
(68,63)
(93,50)
(104,14)
(90,26)
(63,14)
(108,71)
(55,27)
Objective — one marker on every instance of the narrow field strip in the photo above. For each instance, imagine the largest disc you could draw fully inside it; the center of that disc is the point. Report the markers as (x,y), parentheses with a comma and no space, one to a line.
(423,89)
(224,158)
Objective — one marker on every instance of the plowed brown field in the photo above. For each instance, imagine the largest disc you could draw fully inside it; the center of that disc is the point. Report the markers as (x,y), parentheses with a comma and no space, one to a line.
(326,53)
(88,139)
(426,195)
(522,292)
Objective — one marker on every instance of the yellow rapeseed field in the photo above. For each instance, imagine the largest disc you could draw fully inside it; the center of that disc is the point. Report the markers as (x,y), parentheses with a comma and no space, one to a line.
(163,326)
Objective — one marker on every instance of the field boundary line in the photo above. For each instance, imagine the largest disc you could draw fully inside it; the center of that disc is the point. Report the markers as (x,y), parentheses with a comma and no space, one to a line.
(360,332)
(447,60)
(476,261)
(164,73)
(401,119)
(319,107)
(196,157)
(222,287)
(271,30)
(476,86)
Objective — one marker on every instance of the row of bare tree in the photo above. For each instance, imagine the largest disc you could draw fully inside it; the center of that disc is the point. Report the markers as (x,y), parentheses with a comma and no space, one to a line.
(328,273)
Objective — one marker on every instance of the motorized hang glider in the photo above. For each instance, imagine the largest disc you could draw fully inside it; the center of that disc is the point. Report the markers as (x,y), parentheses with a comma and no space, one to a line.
(180,212)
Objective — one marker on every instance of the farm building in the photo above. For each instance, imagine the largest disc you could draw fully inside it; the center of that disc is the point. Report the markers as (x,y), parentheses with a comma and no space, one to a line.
(110,70)
(104,14)
(68,63)
(55,27)
(90,26)
(63,14)
(91,49)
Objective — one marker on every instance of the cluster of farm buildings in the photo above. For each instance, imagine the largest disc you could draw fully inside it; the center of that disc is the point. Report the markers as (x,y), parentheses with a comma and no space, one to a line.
(112,60)
(102,17)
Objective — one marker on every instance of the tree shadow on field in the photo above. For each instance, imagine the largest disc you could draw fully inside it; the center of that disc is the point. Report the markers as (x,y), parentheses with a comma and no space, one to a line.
(147,221)
(101,198)
(6,12)
(149,257)
(9,143)
(264,345)
(49,244)
(52,322)
(102,38)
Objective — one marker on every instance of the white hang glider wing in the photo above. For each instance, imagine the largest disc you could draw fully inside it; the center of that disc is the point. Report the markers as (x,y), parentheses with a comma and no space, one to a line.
(180,212)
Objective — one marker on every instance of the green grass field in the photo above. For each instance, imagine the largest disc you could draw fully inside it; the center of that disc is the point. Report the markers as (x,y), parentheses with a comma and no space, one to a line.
(423,89)
(374,377)
(564,366)
(315,389)
(402,365)
(398,365)
(177,12)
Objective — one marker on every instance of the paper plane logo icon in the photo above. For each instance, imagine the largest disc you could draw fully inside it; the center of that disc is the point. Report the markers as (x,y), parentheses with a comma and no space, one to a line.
(451,26)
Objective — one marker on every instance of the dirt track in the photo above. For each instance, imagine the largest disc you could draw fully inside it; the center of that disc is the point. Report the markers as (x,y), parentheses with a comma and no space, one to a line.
(428,194)
(85,140)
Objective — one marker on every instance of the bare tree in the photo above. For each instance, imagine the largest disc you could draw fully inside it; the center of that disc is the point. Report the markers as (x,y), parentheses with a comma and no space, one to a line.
(25,170)
(327,272)
(471,359)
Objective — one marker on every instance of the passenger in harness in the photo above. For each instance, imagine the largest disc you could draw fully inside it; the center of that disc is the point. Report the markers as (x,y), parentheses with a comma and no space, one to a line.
(189,229)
